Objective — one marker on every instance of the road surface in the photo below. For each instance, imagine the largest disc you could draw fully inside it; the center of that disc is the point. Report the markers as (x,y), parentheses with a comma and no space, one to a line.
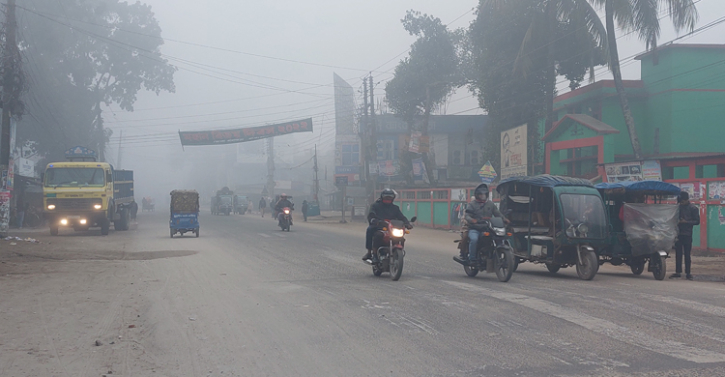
(245,299)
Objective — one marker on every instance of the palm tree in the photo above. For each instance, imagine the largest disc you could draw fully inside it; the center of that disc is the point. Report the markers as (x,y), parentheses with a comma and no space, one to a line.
(641,16)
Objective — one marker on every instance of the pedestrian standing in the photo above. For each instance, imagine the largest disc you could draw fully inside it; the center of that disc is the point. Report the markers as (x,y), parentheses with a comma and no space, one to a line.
(21,214)
(689,216)
(262,206)
(304,209)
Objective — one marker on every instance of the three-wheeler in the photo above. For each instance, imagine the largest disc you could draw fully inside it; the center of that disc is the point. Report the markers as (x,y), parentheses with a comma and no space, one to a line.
(184,212)
(643,228)
(557,221)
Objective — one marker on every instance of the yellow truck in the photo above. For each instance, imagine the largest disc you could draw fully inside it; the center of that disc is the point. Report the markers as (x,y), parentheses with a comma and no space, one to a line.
(81,193)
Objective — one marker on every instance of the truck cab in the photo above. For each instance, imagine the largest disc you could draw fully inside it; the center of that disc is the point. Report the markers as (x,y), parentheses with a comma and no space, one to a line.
(84,194)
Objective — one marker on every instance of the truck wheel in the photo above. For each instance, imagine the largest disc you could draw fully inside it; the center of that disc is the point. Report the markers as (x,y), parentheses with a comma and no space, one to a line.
(105,227)
(171,233)
(53,230)
(196,232)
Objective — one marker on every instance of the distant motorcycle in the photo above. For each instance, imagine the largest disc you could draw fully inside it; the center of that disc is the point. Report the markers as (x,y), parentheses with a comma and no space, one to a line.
(285,219)
(494,252)
(388,255)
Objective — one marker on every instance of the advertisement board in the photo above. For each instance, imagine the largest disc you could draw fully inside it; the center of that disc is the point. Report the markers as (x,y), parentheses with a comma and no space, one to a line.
(622,172)
(514,159)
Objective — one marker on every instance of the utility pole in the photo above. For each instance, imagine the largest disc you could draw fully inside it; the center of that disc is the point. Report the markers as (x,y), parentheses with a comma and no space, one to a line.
(364,139)
(317,181)
(118,160)
(373,140)
(270,167)
(9,79)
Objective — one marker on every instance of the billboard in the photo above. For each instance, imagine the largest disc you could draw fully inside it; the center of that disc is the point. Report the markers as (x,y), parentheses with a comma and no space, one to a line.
(241,135)
(514,160)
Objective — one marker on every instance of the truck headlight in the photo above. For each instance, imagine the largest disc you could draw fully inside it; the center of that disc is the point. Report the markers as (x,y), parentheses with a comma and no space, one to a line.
(51,206)
(83,221)
(97,206)
(397,233)
(64,222)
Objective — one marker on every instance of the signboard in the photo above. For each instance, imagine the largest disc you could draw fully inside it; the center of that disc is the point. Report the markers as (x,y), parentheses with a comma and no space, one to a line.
(514,158)
(341,181)
(622,172)
(651,170)
(487,173)
(26,168)
(241,135)
(81,153)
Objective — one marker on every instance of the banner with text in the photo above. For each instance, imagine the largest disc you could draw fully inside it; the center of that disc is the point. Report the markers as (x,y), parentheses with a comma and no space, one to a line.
(242,135)
(514,159)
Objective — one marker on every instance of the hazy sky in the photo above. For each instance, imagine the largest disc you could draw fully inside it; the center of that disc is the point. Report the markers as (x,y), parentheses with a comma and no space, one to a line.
(221,84)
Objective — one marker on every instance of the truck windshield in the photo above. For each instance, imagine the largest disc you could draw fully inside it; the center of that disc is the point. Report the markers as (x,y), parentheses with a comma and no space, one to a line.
(226,200)
(55,177)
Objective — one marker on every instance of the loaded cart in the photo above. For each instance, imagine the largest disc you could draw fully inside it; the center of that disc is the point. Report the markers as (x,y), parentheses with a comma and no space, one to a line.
(184,212)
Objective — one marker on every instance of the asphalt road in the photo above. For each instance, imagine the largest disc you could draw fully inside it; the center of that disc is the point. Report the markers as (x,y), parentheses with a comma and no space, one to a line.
(246,299)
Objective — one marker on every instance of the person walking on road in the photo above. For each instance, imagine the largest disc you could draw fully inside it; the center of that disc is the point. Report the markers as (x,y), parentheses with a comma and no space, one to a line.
(262,206)
(689,217)
(304,209)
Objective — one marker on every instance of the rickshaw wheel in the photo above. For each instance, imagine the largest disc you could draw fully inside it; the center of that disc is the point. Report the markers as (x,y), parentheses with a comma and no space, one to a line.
(637,266)
(658,266)
(553,268)
(589,267)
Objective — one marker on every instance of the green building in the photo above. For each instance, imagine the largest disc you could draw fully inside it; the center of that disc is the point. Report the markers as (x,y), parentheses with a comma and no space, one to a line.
(679,111)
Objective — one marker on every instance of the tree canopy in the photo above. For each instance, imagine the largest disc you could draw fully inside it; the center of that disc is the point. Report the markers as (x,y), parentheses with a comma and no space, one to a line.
(82,54)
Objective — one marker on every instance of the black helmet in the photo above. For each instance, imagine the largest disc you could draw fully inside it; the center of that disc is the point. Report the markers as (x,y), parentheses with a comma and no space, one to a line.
(387,193)
(481,189)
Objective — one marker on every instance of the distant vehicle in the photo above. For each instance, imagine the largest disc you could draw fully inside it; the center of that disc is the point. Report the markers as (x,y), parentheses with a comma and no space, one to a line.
(184,212)
(241,204)
(82,193)
(223,202)
(147,204)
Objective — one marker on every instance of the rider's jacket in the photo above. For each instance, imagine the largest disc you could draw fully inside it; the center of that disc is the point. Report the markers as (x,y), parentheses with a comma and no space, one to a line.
(283,203)
(382,211)
(480,211)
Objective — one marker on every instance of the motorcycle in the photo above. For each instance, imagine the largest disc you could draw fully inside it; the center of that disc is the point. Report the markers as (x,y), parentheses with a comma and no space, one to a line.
(285,219)
(388,256)
(494,252)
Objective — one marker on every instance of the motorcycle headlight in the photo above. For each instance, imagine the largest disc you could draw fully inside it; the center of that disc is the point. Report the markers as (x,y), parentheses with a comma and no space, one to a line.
(286,212)
(397,233)
(500,231)
(583,228)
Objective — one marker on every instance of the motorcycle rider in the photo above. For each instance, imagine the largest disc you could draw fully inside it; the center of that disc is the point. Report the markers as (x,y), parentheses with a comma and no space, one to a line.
(281,204)
(478,211)
(382,209)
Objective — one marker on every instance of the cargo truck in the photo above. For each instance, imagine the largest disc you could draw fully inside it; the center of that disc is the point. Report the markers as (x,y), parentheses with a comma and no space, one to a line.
(81,193)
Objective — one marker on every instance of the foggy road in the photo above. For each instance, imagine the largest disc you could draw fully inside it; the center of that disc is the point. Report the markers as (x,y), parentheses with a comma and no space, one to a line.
(245,299)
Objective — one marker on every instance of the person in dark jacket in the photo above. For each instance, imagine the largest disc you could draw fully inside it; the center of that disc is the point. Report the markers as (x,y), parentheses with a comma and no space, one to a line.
(262,205)
(689,217)
(479,210)
(382,209)
(305,207)
(281,204)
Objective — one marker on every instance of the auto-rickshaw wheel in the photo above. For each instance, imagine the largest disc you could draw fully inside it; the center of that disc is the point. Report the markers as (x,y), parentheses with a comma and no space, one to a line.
(589,265)
(637,266)
(516,263)
(553,268)
(658,266)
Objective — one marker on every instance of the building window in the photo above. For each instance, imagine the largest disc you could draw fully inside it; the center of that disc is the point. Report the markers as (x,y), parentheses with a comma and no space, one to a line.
(710,171)
(408,195)
(441,194)
(581,162)
(475,158)
(423,194)
(350,154)
(457,158)
(386,150)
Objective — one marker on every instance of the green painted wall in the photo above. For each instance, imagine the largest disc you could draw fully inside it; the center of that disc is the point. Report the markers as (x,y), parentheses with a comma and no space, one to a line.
(440,213)
(424,213)
(715,229)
